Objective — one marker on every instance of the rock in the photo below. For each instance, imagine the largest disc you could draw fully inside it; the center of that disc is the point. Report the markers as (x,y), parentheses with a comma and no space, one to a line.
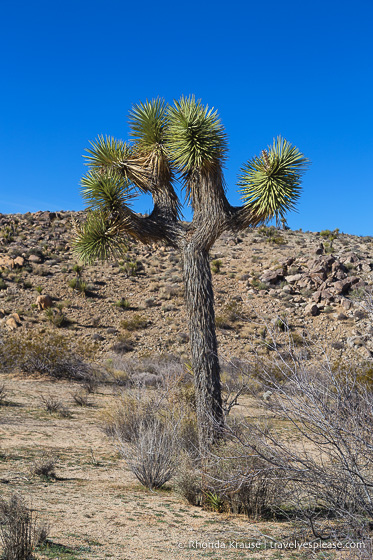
(19,262)
(316,296)
(349,258)
(355,341)
(341,317)
(365,352)
(43,302)
(342,286)
(288,262)
(111,330)
(365,267)
(16,317)
(11,324)
(327,295)
(35,259)
(272,276)
(6,262)
(346,303)
(360,314)
(340,275)
(312,309)
(287,289)
(319,250)
(97,337)
(293,278)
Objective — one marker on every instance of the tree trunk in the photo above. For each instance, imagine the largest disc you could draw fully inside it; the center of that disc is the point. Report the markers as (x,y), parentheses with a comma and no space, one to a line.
(200,308)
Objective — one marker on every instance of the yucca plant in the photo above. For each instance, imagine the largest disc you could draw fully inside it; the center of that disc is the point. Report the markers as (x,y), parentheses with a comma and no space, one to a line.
(270,184)
(186,139)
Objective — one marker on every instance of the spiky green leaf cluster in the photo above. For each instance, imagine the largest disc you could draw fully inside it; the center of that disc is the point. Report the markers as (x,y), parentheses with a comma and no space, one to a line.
(270,184)
(106,190)
(148,122)
(99,238)
(195,137)
(107,153)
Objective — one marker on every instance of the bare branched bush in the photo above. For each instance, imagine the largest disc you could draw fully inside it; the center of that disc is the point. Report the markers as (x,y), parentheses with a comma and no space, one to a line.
(188,480)
(150,432)
(319,444)
(245,482)
(54,406)
(3,393)
(81,398)
(19,531)
(151,453)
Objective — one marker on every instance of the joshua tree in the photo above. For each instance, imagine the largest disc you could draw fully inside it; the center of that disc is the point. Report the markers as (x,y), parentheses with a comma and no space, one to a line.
(186,140)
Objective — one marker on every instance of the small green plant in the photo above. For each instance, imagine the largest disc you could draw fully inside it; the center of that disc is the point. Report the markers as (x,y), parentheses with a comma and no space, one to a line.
(271,235)
(258,285)
(123,304)
(213,502)
(231,312)
(39,289)
(216,266)
(79,285)
(3,284)
(78,269)
(130,268)
(281,324)
(57,317)
(135,324)
(331,236)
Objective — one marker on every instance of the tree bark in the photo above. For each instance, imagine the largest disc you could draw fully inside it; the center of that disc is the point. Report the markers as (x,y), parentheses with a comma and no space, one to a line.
(203,343)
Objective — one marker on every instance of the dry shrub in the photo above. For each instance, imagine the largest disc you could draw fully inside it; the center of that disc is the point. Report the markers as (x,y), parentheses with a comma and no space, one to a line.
(319,445)
(81,398)
(19,531)
(188,480)
(46,354)
(147,439)
(127,371)
(3,394)
(45,468)
(151,428)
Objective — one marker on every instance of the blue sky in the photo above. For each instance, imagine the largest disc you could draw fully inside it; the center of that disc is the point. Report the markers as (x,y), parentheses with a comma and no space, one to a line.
(71,70)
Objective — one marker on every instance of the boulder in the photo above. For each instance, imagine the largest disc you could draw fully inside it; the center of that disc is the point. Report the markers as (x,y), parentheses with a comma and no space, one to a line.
(342,286)
(6,262)
(13,322)
(293,278)
(35,259)
(272,276)
(312,309)
(346,303)
(19,262)
(43,302)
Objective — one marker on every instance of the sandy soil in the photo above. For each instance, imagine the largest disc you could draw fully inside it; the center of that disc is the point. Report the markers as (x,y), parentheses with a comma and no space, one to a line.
(95,507)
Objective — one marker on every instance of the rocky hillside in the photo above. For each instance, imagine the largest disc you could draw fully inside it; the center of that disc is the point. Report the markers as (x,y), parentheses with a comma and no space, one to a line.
(264,280)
